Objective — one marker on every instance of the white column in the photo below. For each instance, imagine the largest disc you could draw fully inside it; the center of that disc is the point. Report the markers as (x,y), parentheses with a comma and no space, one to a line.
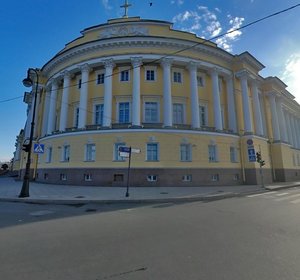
(288,126)
(194,95)
(298,132)
(231,104)
(282,126)
(36,117)
(293,131)
(107,111)
(275,126)
(256,108)
(46,111)
(85,69)
(248,127)
(65,102)
(166,64)
(52,108)
(216,96)
(136,94)
(29,118)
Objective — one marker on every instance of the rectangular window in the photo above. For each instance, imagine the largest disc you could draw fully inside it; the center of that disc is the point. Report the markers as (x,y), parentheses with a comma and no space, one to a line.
(79,84)
(215,177)
(63,177)
(236,177)
(151,178)
(185,152)
(46,176)
(178,113)
(233,154)
(99,109)
(90,153)
(187,178)
(150,75)
(118,177)
(152,152)
(177,78)
(203,115)
(124,112)
(66,153)
(100,79)
(151,112)
(49,154)
(117,157)
(212,153)
(76,117)
(87,177)
(200,81)
(124,76)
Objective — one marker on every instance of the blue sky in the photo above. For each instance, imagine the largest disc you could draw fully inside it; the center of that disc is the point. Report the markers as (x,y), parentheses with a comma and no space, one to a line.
(33,31)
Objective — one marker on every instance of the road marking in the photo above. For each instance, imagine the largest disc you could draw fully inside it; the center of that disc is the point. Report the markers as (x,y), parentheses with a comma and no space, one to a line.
(281,194)
(295,201)
(259,194)
(287,197)
(41,213)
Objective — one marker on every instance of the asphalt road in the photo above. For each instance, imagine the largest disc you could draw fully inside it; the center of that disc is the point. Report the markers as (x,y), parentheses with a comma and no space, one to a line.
(253,237)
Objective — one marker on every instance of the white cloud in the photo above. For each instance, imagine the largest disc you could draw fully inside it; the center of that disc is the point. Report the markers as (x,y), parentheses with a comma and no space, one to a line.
(291,75)
(106,5)
(178,2)
(203,17)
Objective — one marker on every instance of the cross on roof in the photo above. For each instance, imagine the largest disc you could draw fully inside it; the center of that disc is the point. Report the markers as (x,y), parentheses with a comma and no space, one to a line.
(126,6)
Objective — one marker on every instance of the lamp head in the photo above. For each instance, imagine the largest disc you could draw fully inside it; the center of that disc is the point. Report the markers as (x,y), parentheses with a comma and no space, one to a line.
(27,82)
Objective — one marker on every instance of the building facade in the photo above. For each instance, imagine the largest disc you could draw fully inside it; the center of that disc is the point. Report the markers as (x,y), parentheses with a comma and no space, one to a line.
(198,114)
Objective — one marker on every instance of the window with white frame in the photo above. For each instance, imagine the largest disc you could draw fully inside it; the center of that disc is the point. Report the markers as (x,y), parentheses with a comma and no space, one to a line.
(177,76)
(203,115)
(178,113)
(124,112)
(90,152)
(215,177)
(200,80)
(117,156)
(49,154)
(99,109)
(152,178)
(152,152)
(66,153)
(150,74)
(212,153)
(233,154)
(151,112)
(87,177)
(185,152)
(63,177)
(187,178)
(76,116)
(124,75)
(100,78)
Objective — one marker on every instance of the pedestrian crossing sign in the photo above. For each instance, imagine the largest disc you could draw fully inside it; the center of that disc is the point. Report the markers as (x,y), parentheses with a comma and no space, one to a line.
(38,148)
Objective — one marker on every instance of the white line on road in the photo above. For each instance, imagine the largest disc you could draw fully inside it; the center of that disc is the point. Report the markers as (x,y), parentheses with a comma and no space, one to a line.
(259,194)
(282,194)
(295,201)
(287,197)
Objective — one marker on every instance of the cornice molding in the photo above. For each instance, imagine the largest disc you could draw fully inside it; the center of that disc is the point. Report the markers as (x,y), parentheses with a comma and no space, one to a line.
(135,42)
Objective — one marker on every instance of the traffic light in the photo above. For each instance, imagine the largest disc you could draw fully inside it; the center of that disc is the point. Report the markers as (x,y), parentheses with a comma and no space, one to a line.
(258,157)
(26,148)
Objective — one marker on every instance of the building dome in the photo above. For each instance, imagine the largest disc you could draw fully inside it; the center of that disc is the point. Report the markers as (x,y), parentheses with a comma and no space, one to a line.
(192,113)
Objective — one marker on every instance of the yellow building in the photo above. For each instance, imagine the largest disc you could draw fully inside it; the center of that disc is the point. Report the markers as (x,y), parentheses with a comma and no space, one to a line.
(197,113)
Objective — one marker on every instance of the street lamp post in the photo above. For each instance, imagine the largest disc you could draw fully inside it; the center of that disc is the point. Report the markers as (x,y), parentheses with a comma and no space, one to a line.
(27,82)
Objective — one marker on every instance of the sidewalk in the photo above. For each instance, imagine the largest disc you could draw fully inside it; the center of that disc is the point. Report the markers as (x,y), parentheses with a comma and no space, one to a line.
(62,194)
